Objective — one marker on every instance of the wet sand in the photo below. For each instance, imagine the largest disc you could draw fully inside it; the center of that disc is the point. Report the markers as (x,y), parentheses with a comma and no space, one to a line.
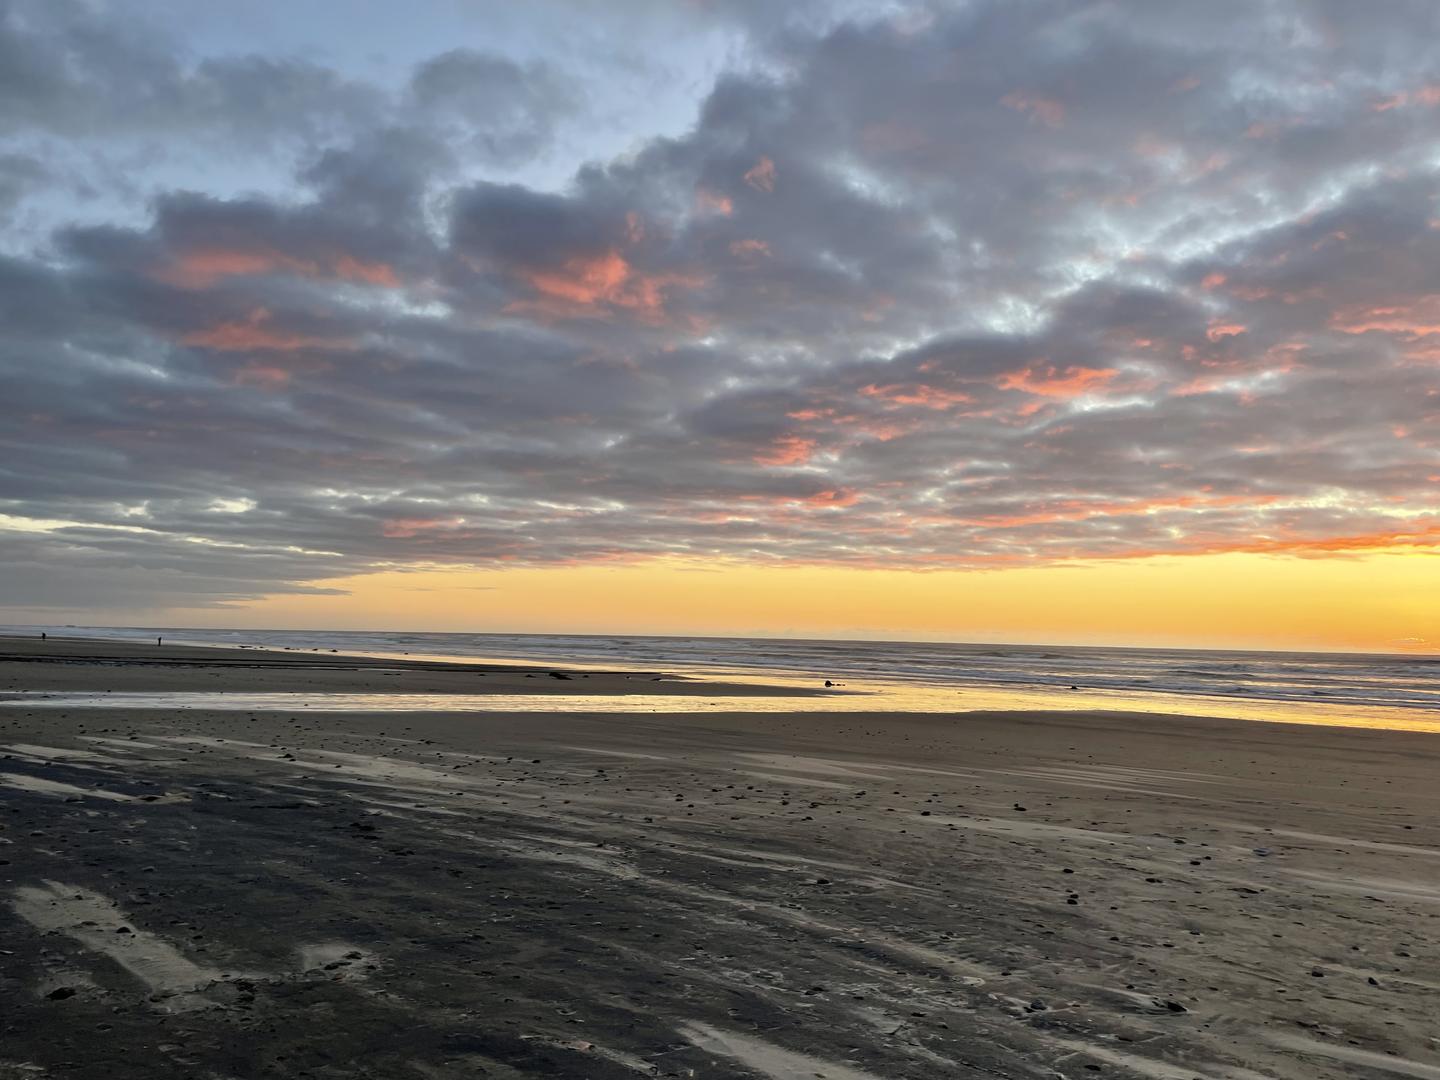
(706,895)
(92,665)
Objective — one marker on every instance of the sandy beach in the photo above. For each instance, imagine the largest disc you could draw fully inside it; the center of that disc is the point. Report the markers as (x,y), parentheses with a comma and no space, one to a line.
(229,894)
(85,665)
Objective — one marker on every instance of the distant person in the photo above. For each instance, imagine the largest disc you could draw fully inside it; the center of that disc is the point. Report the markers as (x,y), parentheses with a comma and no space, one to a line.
(159,641)
(42,635)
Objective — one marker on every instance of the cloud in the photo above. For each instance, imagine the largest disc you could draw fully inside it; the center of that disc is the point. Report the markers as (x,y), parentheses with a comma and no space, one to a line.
(1036,283)
(74,71)
(504,110)
(20,176)
(761,175)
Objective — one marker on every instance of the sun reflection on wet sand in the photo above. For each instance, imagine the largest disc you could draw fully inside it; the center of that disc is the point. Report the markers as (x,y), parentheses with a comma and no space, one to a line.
(850,697)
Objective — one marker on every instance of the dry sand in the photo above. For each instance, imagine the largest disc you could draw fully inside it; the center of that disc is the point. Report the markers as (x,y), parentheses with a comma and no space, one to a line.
(785,896)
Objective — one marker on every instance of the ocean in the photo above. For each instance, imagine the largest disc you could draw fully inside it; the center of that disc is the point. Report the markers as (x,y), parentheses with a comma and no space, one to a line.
(1371,690)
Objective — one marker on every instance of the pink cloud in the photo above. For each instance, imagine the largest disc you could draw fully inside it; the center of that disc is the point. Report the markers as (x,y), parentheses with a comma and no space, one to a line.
(1428,95)
(202,268)
(406,528)
(928,397)
(1049,381)
(256,333)
(1218,331)
(712,202)
(596,285)
(787,450)
(1415,318)
(761,175)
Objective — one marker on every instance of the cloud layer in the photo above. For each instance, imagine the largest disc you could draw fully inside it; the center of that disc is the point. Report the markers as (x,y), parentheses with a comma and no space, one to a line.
(984,285)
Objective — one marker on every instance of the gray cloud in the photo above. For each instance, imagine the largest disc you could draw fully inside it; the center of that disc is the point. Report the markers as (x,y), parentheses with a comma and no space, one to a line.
(500,109)
(988,286)
(74,71)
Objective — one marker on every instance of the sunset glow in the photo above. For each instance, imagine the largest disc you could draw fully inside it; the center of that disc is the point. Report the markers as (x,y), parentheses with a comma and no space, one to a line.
(1233,601)
(989,321)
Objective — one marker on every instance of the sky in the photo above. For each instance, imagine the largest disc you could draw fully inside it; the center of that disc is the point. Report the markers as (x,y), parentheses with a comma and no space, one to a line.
(1095,322)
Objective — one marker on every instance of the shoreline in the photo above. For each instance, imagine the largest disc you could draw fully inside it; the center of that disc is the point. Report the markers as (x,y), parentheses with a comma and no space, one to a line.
(197,675)
(58,632)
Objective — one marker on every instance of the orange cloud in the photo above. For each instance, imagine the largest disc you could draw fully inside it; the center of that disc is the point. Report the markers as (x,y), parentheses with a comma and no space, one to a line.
(713,202)
(928,397)
(1419,318)
(840,497)
(584,279)
(1049,381)
(1427,536)
(201,268)
(592,286)
(254,333)
(349,268)
(787,450)
(1425,95)
(1218,330)
(405,528)
(749,249)
(761,175)
(1203,384)
(1048,111)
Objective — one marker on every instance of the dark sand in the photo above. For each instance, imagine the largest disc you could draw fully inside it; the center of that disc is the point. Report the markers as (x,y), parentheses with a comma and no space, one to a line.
(801,895)
(79,664)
